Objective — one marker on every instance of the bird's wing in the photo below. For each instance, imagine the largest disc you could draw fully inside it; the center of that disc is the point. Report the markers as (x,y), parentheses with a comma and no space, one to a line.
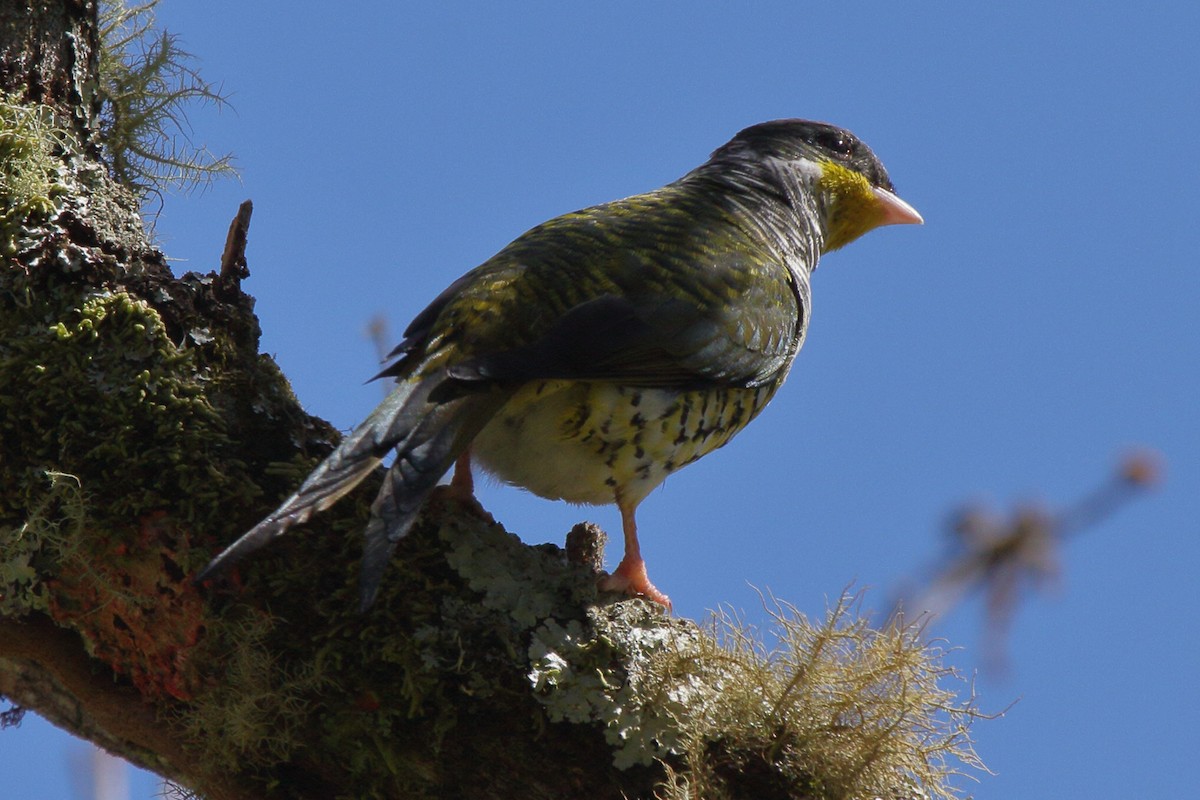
(734,323)
(668,288)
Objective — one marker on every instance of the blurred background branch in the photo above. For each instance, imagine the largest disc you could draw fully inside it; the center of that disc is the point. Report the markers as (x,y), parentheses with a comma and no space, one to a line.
(1006,558)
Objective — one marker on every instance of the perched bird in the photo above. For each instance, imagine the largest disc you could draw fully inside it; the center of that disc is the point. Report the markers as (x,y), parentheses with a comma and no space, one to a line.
(607,348)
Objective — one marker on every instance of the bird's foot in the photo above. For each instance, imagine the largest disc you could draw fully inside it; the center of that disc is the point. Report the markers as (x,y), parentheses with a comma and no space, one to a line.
(630,577)
(461,489)
(448,492)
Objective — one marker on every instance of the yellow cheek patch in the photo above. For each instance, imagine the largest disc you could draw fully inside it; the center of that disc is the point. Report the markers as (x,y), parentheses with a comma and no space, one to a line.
(853,208)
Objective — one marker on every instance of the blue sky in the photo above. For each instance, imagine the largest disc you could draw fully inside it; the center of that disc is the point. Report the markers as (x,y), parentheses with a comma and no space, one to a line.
(1040,323)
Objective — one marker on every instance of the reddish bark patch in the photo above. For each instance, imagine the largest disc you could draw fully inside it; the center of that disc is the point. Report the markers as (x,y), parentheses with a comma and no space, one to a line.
(135,606)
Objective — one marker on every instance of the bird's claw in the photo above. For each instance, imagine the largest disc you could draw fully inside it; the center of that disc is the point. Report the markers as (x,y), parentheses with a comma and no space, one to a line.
(630,577)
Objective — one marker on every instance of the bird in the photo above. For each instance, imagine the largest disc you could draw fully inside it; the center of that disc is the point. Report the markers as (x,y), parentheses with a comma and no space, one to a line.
(607,348)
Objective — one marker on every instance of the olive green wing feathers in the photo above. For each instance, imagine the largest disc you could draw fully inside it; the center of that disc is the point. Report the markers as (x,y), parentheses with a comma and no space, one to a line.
(731,324)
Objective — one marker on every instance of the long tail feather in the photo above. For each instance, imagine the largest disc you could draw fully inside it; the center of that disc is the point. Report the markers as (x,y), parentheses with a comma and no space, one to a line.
(420,431)
(320,490)
(428,452)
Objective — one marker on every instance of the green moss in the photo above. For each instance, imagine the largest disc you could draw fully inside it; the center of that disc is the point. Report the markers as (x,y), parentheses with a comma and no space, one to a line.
(833,710)
(256,715)
(96,383)
(95,386)
(446,642)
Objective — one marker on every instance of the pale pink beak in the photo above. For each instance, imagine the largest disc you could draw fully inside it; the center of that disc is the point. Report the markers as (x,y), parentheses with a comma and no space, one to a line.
(895,210)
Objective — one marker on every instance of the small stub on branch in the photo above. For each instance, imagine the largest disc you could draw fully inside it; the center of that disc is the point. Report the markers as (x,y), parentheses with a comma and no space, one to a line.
(233,260)
(585,546)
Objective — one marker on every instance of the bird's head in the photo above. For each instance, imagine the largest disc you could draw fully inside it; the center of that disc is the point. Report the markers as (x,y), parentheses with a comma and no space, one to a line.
(797,159)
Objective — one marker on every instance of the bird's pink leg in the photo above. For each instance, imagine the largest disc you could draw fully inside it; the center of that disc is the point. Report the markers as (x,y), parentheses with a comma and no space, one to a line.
(630,575)
(463,482)
(461,488)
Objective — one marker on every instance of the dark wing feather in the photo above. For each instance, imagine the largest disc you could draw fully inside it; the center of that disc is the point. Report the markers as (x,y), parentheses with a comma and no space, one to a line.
(660,340)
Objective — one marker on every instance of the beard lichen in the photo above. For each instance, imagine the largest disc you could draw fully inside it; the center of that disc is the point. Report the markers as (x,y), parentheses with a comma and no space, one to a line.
(834,710)
(32,175)
(257,714)
(49,534)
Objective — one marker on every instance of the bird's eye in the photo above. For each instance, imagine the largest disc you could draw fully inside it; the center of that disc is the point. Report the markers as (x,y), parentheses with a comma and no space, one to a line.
(837,142)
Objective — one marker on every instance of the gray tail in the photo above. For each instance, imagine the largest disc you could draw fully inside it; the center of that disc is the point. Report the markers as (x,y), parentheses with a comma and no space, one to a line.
(427,435)
(422,458)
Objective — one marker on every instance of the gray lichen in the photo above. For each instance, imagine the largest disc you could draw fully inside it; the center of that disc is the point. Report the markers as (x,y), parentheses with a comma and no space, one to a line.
(596,673)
